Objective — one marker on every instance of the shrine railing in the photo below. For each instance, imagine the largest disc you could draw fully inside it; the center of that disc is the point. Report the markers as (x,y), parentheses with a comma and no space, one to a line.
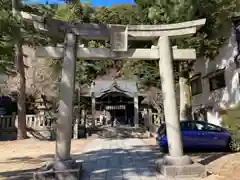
(38,126)
(38,121)
(7,122)
(152,121)
(157,119)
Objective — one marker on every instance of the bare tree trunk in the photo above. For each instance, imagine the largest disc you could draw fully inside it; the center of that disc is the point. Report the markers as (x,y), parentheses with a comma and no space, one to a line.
(185,95)
(22,132)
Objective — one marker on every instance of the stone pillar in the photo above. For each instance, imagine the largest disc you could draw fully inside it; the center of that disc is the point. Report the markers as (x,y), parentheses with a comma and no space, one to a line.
(169,101)
(93,109)
(150,117)
(185,96)
(136,115)
(63,160)
(145,117)
(174,165)
(150,121)
(82,117)
(77,120)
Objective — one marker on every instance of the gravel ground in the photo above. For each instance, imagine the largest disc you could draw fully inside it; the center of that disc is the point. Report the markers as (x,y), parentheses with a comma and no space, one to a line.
(220,165)
(30,154)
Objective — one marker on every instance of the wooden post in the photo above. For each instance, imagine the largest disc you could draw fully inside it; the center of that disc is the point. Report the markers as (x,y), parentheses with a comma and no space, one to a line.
(14,115)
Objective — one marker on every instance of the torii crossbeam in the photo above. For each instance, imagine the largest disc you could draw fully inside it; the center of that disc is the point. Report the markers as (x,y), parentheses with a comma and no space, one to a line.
(105,53)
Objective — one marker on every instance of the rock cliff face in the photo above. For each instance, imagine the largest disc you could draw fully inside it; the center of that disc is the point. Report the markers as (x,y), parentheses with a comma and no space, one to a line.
(41,75)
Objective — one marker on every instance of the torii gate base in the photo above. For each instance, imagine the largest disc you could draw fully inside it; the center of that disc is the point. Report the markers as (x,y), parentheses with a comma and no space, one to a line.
(184,169)
(175,165)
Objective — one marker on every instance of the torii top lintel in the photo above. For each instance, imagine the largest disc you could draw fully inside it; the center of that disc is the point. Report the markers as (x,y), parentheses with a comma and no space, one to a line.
(103,31)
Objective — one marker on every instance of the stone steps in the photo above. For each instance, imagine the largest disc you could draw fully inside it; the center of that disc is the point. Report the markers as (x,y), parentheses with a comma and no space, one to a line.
(121,132)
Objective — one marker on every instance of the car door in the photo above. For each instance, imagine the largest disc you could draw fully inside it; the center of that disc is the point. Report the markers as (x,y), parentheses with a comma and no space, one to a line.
(200,134)
(214,136)
(195,135)
(190,136)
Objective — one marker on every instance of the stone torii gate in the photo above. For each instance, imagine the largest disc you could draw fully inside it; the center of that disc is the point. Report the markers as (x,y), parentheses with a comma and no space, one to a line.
(176,164)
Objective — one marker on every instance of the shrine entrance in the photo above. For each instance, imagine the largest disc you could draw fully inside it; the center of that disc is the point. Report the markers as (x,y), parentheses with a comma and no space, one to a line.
(115,99)
(119,106)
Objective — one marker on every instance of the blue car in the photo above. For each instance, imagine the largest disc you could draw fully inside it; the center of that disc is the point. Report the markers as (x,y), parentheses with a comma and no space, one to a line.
(198,135)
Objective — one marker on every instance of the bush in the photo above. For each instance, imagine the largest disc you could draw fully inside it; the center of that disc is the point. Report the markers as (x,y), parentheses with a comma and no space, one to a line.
(231,121)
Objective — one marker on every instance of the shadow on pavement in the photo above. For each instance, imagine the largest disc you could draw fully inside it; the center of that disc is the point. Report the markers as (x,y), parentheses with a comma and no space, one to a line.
(114,164)
(131,162)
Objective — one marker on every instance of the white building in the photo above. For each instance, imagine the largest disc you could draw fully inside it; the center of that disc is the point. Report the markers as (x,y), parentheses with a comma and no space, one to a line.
(216,83)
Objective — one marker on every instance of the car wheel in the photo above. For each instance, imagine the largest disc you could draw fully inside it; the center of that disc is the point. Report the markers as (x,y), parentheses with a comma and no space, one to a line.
(231,146)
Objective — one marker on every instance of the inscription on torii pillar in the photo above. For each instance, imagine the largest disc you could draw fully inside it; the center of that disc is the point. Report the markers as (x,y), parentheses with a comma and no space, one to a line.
(119,38)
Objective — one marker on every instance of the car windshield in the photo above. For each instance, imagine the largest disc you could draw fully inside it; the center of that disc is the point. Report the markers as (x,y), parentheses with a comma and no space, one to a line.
(199,126)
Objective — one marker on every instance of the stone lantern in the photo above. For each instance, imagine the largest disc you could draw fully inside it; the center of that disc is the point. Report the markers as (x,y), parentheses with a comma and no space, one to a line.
(41,106)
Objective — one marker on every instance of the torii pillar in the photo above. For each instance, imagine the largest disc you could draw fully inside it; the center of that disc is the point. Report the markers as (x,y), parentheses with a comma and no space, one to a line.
(176,164)
(169,97)
(63,161)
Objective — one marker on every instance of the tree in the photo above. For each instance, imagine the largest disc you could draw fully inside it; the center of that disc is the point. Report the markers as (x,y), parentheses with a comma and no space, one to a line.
(22,132)
(6,40)
(206,42)
(14,33)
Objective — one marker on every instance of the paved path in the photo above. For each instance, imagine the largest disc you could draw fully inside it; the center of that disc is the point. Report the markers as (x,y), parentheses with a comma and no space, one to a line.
(119,159)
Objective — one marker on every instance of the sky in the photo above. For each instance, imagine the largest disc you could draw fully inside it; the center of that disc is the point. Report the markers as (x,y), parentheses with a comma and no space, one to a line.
(93,2)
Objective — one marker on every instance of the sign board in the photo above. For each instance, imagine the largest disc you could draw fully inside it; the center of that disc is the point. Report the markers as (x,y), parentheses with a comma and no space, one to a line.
(116,107)
(119,38)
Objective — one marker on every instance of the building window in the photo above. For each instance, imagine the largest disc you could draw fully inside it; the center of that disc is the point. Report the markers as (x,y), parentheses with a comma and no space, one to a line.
(196,85)
(217,81)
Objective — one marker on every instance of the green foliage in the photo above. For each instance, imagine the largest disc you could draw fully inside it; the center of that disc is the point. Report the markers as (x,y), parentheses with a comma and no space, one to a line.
(144,70)
(6,37)
(9,32)
(207,41)
(86,71)
(231,120)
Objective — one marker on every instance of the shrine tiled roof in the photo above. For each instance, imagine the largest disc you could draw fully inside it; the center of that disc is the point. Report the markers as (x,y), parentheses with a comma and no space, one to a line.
(101,87)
